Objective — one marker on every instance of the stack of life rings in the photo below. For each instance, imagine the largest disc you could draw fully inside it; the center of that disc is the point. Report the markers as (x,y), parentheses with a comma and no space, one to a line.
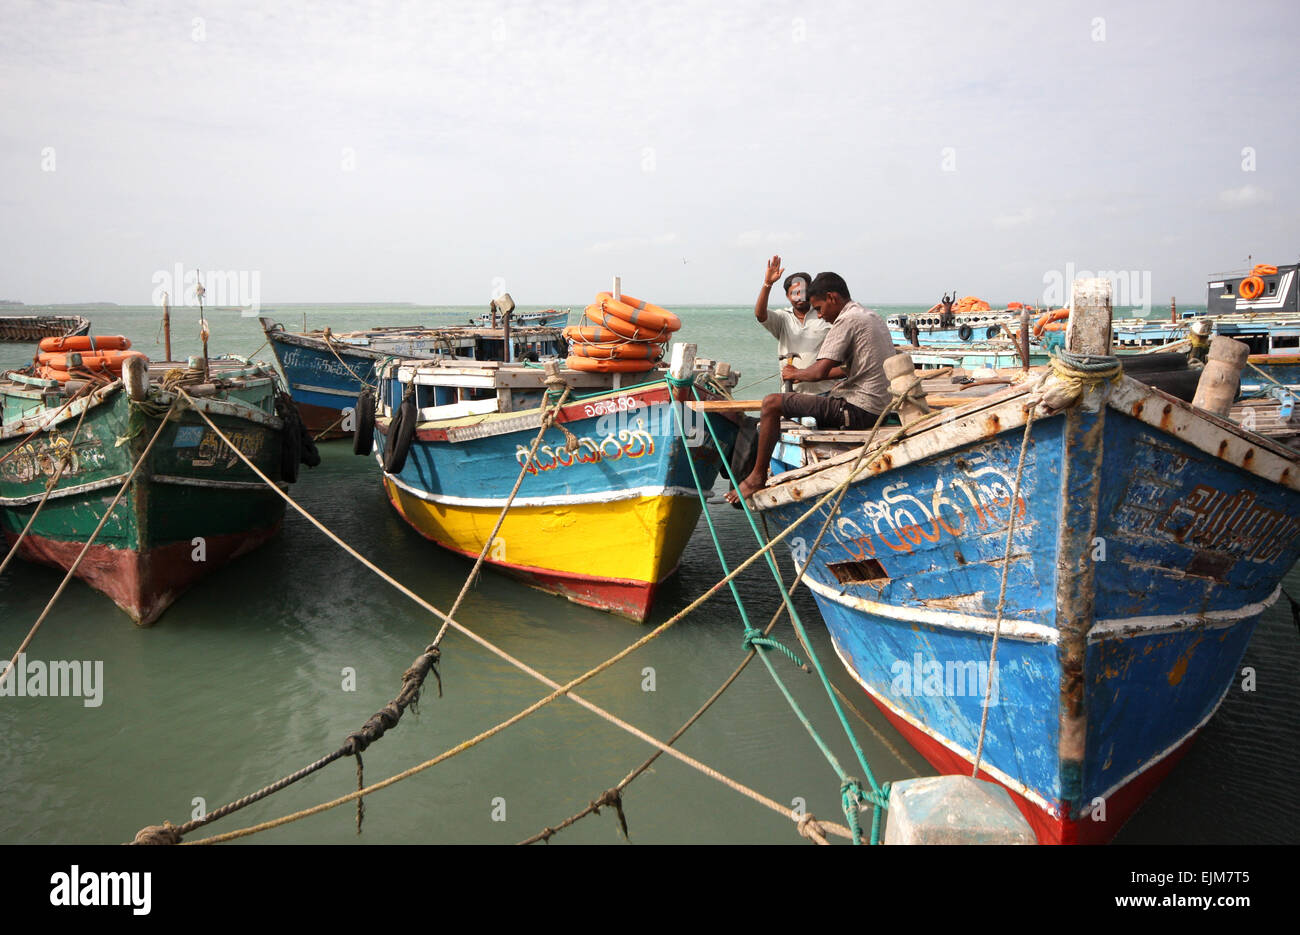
(1252,287)
(623,335)
(97,357)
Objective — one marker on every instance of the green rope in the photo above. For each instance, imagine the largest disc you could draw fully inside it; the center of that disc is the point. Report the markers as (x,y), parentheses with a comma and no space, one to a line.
(799,627)
(851,792)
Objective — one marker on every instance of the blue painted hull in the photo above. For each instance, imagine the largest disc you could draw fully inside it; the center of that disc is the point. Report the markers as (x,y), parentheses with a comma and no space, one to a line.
(1140,566)
(603,524)
(325,378)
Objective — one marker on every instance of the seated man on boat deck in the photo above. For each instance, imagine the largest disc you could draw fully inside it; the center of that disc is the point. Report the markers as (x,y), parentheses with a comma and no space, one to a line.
(859,342)
(798,334)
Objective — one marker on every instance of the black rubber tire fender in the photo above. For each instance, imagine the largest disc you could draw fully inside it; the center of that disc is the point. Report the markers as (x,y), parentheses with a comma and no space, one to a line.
(363,436)
(965,332)
(401,430)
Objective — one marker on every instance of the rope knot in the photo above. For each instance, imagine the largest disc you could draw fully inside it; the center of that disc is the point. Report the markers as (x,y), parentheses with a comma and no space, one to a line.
(166,833)
(613,798)
(810,828)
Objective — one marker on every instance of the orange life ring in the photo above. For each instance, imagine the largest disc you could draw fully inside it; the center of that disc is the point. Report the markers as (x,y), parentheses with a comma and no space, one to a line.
(1047,318)
(628,350)
(1011,305)
(592,365)
(91,361)
(1264,269)
(595,334)
(639,313)
(1252,287)
(84,342)
(610,322)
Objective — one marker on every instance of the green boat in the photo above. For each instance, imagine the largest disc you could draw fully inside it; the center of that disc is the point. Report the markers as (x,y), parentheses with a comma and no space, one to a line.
(193,504)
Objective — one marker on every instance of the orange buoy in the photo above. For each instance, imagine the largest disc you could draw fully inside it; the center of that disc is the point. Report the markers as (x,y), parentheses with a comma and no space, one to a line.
(1252,287)
(628,350)
(593,365)
(639,313)
(84,342)
(1264,269)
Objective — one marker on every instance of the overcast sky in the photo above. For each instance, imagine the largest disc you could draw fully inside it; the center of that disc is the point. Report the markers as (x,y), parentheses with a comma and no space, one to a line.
(429,152)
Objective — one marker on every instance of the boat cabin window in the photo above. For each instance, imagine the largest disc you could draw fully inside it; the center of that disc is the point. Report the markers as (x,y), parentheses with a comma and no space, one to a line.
(1272,287)
(468,393)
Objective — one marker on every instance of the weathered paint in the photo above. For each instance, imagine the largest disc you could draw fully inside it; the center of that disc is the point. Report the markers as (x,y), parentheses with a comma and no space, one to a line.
(191,485)
(602,524)
(1109,661)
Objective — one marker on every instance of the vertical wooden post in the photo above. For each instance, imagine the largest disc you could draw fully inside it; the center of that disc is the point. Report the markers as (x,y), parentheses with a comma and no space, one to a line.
(1023,339)
(1173,309)
(901,370)
(1221,377)
(617,292)
(1088,330)
(682,367)
(167,326)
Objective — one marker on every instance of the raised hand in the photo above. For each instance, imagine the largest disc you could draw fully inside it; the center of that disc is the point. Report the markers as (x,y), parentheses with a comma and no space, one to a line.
(774,272)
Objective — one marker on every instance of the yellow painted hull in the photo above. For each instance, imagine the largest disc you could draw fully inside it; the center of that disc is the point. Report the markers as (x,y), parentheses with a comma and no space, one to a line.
(611,555)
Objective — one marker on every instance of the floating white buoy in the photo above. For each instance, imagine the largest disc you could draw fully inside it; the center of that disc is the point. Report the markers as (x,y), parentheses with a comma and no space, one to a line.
(954,810)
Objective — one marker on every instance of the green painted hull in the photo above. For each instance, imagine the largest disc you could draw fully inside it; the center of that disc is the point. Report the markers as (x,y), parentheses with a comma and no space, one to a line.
(192,506)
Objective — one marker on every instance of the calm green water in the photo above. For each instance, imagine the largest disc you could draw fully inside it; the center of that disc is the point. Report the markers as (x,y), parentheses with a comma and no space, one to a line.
(240,682)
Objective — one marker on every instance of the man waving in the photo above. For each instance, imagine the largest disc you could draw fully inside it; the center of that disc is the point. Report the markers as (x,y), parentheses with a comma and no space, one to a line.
(798,334)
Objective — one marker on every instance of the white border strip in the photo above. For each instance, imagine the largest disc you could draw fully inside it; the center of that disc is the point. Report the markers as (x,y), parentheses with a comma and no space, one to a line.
(1011,628)
(556,500)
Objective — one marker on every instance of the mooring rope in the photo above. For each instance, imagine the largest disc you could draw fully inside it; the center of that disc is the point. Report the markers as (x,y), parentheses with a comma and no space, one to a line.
(86,548)
(561,690)
(1002,586)
(550,415)
(565,690)
(329,343)
(852,793)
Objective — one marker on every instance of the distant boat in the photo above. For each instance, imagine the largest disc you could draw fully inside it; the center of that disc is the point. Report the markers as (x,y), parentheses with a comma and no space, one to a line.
(326,371)
(1150,537)
(549,318)
(29,329)
(193,492)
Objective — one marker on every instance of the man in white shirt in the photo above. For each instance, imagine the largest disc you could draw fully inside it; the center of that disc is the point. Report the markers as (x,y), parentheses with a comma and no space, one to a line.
(799,332)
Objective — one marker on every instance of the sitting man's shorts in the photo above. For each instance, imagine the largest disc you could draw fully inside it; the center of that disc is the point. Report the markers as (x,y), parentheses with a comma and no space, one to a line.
(831,412)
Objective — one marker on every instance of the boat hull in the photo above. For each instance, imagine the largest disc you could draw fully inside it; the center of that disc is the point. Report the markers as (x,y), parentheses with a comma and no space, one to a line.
(192,506)
(1149,540)
(602,525)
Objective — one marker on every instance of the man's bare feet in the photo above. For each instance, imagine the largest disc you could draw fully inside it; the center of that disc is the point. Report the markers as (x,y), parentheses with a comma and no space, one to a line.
(748,486)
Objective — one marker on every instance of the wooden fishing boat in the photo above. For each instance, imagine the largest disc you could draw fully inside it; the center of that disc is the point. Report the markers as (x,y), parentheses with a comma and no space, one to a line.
(606,504)
(192,505)
(31,328)
(326,371)
(1150,534)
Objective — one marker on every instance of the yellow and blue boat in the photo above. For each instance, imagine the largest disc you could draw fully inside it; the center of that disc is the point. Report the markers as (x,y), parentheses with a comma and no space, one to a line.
(607,502)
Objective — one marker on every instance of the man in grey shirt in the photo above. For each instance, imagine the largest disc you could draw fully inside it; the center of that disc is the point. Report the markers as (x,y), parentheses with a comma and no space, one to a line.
(859,342)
